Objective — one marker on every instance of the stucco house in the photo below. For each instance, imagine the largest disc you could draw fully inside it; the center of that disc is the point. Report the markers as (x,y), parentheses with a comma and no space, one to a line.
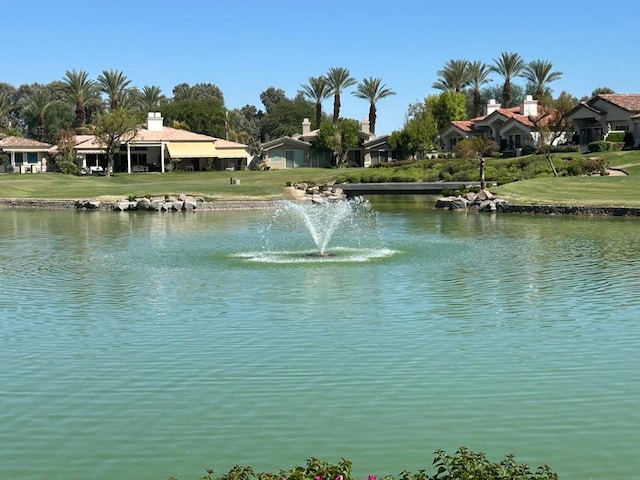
(25,155)
(300,150)
(511,128)
(159,148)
(603,113)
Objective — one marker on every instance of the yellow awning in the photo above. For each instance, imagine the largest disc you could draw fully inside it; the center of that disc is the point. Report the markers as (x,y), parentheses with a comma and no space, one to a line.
(231,153)
(192,150)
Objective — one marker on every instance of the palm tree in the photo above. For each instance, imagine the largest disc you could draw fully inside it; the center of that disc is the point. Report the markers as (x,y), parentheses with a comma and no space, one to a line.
(78,89)
(454,76)
(372,89)
(37,102)
(539,74)
(508,66)
(317,90)
(338,80)
(478,76)
(115,85)
(150,98)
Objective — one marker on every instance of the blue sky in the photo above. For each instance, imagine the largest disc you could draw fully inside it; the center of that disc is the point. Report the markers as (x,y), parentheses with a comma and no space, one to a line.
(244,47)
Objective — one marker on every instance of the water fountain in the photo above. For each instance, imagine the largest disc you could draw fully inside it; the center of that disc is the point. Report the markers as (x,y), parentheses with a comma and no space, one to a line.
(344,231)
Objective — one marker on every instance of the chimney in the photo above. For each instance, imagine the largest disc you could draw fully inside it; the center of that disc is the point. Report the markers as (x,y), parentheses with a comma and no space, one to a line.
(306,127)
(154,122)
(529,107)
(365,126)
(492,106)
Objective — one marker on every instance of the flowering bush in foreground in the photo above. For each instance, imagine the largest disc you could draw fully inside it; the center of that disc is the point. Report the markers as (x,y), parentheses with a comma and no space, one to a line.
(463,465)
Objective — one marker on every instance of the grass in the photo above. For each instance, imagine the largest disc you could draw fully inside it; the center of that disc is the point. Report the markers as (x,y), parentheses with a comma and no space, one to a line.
(268,185)
(211,185)
(607,191)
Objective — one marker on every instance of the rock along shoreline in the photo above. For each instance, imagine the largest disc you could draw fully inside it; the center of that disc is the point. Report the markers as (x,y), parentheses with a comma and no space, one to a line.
(191,203)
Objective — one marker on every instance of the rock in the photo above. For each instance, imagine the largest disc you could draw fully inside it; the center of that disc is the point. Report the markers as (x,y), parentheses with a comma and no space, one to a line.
(177,206)
(484,195)
(452,203)
(143,203)
(156,204)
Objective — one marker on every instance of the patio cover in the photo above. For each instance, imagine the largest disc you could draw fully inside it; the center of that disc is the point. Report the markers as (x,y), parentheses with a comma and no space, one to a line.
(231,153)
(192,150)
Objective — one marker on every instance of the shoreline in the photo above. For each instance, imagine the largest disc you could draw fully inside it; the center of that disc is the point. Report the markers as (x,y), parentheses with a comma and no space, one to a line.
(219,205)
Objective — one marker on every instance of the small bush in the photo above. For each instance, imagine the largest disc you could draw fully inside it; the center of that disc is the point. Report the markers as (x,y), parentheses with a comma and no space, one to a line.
(598,146)
(615,136)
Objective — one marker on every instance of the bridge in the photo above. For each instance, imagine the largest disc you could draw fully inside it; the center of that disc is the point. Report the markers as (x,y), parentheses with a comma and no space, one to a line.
(404,188)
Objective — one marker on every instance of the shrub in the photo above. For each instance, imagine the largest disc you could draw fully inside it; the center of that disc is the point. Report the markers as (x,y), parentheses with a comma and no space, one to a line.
(463,464)
(598,146)
(615,136)
(629,140)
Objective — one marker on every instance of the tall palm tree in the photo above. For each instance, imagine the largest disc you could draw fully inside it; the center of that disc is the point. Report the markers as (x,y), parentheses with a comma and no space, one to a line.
(509,65)
(539,74)
(338,80)
(115,85)
(454,76)
(372,89)
(37,102)
(478,76)
(150,98)
(317,90)
(78,89)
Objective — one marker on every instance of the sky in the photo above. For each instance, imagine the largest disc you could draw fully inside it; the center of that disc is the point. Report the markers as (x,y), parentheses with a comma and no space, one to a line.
(247,46)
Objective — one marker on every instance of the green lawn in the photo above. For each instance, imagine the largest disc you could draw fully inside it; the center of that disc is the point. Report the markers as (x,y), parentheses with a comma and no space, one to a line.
(597,191)
(609,191)
(211,185)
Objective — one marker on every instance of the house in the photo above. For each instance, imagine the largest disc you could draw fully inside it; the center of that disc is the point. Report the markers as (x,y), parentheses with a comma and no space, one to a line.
(301,150)
(603,113)
(159,148)
(511,128)
(24,155)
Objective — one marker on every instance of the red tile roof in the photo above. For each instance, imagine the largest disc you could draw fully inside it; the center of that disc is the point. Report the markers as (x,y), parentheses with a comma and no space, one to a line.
(20,142)
(627,101)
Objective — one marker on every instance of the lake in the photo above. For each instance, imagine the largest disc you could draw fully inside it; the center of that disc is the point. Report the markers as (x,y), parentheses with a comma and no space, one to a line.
(145,345)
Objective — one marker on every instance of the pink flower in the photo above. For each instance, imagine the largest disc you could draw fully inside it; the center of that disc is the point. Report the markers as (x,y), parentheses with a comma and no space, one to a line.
(339,477)
(372,477)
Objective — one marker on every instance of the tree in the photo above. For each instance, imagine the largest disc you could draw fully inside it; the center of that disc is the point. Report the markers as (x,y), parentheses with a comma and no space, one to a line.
(338,80)
(495,92)
(114,128)
(539,74)
(552,124)
(5,108)
(78,90)
(476,147)
(454,76)
(339,137)
(150,99)
(419,133)
(373,90)
(478,76)
(114,84)
(285,117)
(36,104)
(446,107)
(271,96)
(201,115)
(509,66)
(317,91)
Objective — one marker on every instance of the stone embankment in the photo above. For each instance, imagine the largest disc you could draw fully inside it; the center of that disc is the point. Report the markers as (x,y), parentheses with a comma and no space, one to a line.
(158,203)
(320,194)
(179,203)
(485,201)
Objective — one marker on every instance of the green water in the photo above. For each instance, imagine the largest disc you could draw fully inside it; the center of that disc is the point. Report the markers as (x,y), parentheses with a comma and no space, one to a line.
(141,346)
